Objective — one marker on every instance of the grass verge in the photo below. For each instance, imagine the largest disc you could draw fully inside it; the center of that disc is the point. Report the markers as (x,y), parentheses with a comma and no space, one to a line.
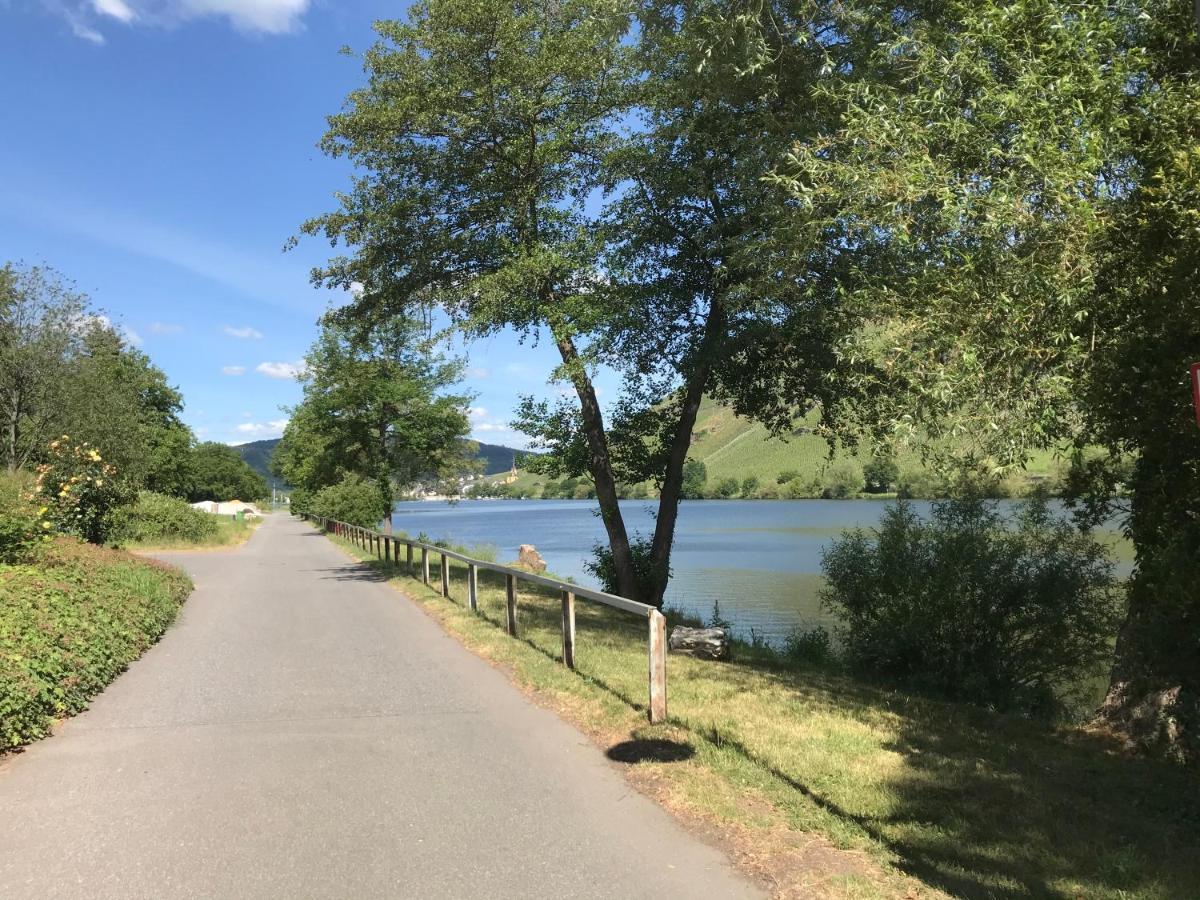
(71,619)
(820,785)
(227,535)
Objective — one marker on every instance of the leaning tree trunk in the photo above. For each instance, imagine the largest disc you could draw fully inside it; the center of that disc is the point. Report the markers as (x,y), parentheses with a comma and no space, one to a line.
(600,465)
(1153,699)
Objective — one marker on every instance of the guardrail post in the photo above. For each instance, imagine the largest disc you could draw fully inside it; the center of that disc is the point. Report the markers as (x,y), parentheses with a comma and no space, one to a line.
(472,587)
(658,666)
(387,549)
(445,575)
(408,556)
(510,590)
(568,629)
(424,565)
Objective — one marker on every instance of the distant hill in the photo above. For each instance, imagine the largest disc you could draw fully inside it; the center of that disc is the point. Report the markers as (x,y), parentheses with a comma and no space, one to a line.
(496,457)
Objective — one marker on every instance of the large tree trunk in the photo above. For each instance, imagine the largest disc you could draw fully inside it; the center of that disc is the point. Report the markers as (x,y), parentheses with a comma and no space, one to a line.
(600,465)
(1153,699)
(672,486)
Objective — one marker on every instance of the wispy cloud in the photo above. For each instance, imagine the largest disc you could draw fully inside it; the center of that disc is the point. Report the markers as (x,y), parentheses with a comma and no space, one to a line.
(165,328)
(280,369)
(479,372)
(252,16)
(261,430)
(131,337)
(245,333)
(118,9)
(233,370)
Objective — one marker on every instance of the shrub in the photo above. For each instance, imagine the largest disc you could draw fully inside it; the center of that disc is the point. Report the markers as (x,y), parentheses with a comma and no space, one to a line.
(962,605)
(695,476)
(787,475)
(23,525)
(917,484)
(602,569)
(725,488)
(841,479)
(354,499)
(80,490)
(880,473)
(809,645)
(749,486)
(70,624)
(157,517)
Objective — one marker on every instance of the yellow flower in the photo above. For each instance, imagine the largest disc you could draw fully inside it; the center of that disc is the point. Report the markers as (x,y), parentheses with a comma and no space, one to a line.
(93,456)
(45,524)
(99,481)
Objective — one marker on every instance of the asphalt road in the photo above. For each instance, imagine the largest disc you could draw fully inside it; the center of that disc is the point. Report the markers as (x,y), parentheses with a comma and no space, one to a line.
(304,731)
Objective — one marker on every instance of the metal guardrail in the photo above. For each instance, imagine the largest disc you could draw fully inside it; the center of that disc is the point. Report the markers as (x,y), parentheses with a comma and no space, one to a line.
(386,547)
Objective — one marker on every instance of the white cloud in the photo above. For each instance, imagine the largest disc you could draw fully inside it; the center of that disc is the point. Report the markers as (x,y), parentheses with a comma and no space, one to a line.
(118,9)
(477,412)
(260,430)
(254,16)
(233,370)
(131,337)
(245,333)
(280,369)
(165,328)
(478,372)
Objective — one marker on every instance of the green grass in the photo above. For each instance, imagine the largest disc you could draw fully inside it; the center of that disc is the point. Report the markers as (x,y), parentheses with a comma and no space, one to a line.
(72,617)
(927,797)
(229,533)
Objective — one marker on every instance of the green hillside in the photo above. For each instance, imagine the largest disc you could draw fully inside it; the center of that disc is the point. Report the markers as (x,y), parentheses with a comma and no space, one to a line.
(797,464)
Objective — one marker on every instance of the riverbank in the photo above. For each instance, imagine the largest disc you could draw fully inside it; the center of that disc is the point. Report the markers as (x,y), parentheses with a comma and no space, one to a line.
(823,785)
(72,617)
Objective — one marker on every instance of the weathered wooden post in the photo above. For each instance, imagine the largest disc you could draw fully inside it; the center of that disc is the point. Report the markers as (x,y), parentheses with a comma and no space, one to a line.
(510,590)
(445,575)
(658,666)
(424,565)
(568,629)
(472,587)
(408,558)
(387,549)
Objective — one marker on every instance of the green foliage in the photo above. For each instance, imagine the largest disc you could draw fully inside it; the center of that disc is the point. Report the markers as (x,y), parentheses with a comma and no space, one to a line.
(81,491)
(725,488)
(880,474)
(787,475)
(23,524)
(600,566)
(966,606)
(812,646)
(157,518)
(695,476)
(377,403)
(69,624)
(842,478)
(749,486)
(354,499)
(219,473)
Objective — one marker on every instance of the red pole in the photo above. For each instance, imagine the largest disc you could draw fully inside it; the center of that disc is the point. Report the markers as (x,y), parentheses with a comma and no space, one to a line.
(1196,381)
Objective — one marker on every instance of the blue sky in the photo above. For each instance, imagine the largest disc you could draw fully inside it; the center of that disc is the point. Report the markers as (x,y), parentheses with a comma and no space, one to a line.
(160,152)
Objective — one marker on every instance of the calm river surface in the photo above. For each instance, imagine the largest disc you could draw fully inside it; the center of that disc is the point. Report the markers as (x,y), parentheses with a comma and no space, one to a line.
(761,559)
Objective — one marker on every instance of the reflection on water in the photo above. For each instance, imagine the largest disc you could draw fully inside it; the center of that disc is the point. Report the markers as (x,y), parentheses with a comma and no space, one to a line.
(761,560)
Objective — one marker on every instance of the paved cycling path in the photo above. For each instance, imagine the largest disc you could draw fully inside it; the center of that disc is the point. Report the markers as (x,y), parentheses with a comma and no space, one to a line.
(304,731)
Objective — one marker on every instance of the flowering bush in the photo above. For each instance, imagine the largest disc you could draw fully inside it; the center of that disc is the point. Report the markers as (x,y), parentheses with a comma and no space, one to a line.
(23,523)
(80,490)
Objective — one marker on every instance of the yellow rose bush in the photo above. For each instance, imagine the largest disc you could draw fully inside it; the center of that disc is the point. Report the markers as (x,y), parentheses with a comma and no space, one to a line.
(81,492)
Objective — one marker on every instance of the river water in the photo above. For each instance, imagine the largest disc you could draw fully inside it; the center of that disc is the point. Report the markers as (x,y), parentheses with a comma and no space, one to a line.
(760,560)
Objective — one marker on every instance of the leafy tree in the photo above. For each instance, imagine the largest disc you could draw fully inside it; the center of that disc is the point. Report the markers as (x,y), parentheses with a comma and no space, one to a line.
(376,405)
(40,319)
(218,472)
(725,488)
(749,485)
(353,499)
(880,473)
(482,132)
(1014,188)
(114,398)
(695,477)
